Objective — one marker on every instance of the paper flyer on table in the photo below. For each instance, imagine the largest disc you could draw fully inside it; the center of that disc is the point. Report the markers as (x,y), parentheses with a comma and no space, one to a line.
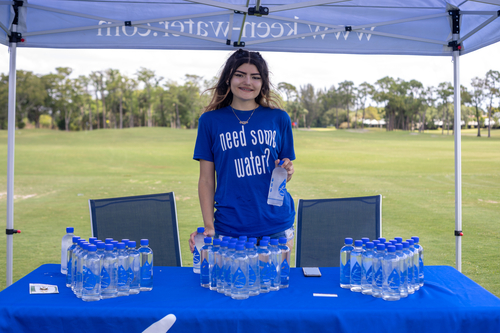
(38,288)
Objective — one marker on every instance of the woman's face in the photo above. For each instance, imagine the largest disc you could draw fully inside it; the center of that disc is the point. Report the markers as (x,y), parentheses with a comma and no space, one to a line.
(246,83)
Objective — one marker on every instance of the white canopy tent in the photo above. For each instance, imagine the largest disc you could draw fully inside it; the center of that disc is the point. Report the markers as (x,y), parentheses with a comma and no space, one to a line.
(418,27)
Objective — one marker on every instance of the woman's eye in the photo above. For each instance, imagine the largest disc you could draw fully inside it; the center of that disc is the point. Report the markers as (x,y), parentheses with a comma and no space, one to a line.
(238,75)
(256,77)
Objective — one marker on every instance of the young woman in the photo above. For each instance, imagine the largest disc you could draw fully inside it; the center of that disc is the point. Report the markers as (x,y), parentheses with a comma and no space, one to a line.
(242,136)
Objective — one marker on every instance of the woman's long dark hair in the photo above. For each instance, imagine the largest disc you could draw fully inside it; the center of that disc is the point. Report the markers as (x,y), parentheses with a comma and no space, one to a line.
(222,95)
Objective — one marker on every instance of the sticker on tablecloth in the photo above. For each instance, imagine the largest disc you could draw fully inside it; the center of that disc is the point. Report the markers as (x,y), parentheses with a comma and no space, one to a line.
(38,288)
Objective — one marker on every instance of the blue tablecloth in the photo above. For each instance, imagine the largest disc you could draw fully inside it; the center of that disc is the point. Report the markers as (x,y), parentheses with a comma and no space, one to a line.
(449,302)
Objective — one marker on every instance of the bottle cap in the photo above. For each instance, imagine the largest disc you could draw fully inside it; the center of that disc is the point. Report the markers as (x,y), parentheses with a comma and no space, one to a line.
(369,245)
(132,244)
(358,243)
(375,241)
(208,240)
(85,245)
(200,230)
(217,241)
(92,240)
(249,245)
(120,246)
(92,248)
(75,239)
(365,240)
(231,245)
(108,240)
(263,242)
(398,239)
(283,240)
(391,248)
(411,241)
(274,241)
(226,238)
(114,243)
(240,247)
(406,245)
(70,230)
(109,247)
(399,247)
(348,240)
(244,238)
(281,162)
(415,239)
(393,241)
(382,239)
(233,240)
(223,243)
(267,238)
(100,245)
(144,242)
(125,240)
(253,240)
(380,247)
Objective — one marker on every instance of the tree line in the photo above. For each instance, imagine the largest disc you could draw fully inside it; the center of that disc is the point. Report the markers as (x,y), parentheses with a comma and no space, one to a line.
(110,99)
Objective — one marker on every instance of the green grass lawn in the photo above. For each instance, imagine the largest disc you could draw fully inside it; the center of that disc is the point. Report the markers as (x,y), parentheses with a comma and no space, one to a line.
(57,172)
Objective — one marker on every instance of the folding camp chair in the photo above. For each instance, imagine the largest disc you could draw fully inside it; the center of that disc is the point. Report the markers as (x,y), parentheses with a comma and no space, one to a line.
(151,216)
(323,224)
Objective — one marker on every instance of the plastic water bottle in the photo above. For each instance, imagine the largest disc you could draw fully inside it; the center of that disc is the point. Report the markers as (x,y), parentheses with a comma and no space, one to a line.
(390,274)
(66,243)
(382,240)
(146,263)
(275,265)
(81,269)
(123,285)
(100,248)
(345,264)
(253,269)
(92,279)
(213,267)
(277,188)
(69,265)
(219,262)
(420,260)
(109,273)
(356,264)
(205,263)
(403,271)
(74,269)
(409,267)
(377,271)
(285,263)
(365,240)
(264,267)
(198,244)
(239,274)
(228,263)
(416,273)
(367,269)
(134,268)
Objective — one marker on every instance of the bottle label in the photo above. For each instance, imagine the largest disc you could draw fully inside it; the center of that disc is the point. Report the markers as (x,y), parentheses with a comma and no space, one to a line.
(227,274)
(205,272)
(252,277)
(378,277)
(265,272)
(393,280)
(196,256)
(285,269)
(89,280)
(368,274)
(122,276)
(239,279)
(345,277)
(105,279)
(146,272)
(272,271)
(356,273)
(282,188)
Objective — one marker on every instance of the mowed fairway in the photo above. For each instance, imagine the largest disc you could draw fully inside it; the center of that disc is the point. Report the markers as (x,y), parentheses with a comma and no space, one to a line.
(57,172)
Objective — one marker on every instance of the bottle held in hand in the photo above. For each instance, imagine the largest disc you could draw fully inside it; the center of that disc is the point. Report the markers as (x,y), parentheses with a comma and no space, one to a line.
(277,188)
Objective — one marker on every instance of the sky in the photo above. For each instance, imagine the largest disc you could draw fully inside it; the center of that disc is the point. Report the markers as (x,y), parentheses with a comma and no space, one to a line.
(320,70)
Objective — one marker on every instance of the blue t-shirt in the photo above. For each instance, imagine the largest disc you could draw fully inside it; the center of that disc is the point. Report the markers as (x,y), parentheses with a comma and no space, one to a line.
(243,157)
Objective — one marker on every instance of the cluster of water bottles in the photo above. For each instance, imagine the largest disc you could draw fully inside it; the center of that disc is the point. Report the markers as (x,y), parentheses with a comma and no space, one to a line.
(98,270)
(238,268)
(389,270)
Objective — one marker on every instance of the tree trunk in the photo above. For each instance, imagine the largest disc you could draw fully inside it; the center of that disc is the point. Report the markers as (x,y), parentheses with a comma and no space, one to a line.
(478,124)
(96,109)
(121,112)
(150,119)
(177,119)
(489,121)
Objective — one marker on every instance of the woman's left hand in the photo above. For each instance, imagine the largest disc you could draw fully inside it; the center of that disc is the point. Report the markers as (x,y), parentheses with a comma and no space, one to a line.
(288,166)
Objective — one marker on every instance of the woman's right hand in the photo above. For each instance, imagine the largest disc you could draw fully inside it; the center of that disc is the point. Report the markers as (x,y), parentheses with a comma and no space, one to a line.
(209,232)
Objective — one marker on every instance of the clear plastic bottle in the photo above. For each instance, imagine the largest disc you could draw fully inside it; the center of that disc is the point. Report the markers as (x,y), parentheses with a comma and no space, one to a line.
(219,261)
(134,268)
(69,265)
(275,265)
(109,273)
(213,264)
(403,271)
(239,274)
(409,267)
(115,247)
(365,240)
(420,249)
(377,271)
(205,263)
(76,254)
(356,263)
(123,285)
(198,244)
(277,188)
(81,269)
(415,269)
(66,242)
(264,267)
(91,290)
(100,248)
(253,269)
(146,263)
(228,262)
(345,264)
(367,269)
(390,274)
(285,263)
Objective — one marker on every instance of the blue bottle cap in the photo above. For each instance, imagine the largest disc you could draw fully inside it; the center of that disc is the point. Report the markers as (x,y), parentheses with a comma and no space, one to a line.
(231,245)
(144,242)
(108,240)
(75,239)
(200,230)
(217,241)
(375,241)
(281,162)
(85,245)
(406,245)
(70,230)
(398,239)
(263,242)
(382,239)
(120,246)
(380,247)
(369,245)
(132,244)
(243,238)
(365,240)
(114,243)
(399,247)
(391,248)
(240,247)
(223,243)
(108,247)
(226,238)
(415,239)
(125,240)
(274,241)
(81,241)
(387,244)
(233,240)
(91,248)
(100,245)
(411,241)
(92,240)
(267,238)
(348,240)
(253,240)
(358,243)
(393,241)
(282,240)
(249,245)
(208,240)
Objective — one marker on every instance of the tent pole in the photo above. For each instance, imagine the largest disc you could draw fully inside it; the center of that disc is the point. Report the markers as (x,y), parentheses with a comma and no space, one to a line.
(10,156)
(458,158)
